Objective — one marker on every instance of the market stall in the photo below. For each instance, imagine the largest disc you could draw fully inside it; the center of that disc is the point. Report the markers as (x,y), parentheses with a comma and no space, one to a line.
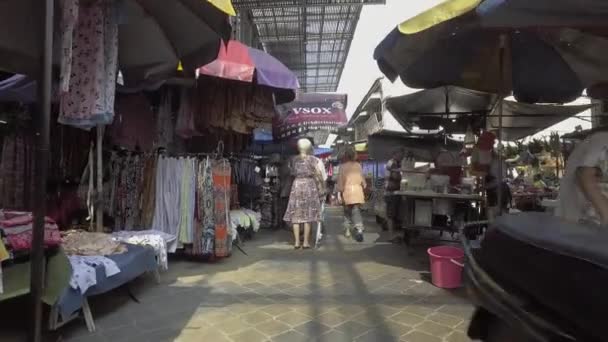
(118,49)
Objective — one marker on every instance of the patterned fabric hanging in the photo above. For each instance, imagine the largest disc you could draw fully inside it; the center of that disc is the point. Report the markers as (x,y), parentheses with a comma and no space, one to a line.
(208,207)
(221,190)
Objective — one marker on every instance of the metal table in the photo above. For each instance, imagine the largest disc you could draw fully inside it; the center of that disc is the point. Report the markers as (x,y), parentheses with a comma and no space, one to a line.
(412,230)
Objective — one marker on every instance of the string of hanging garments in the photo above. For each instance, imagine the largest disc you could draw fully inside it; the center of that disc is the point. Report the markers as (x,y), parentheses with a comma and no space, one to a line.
(187,196)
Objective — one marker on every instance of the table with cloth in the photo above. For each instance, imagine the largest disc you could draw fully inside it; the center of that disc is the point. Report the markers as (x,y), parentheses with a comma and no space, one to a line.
(136,261)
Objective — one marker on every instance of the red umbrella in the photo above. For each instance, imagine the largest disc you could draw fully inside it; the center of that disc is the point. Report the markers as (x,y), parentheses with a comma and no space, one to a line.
(233,62)
(240,62)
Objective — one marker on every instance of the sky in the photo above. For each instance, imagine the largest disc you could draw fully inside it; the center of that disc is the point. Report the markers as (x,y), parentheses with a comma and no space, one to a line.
(375,23)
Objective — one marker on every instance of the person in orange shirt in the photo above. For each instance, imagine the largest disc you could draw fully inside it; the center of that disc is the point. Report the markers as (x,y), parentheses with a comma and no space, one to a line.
(350,186)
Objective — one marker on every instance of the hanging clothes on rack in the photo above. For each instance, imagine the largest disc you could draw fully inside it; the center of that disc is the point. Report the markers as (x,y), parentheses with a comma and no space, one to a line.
(187,200)
(164,122)
(221,191)
(16,171)
(148,194)
(207,211)
(89,62)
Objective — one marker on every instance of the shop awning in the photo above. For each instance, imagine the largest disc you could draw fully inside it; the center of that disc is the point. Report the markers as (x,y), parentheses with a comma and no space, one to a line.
(521,120)
(454,109)
(424,148)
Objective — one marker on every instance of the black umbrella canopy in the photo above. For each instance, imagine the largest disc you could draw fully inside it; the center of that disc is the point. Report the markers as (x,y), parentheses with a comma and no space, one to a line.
(453,108)
(442,101)
(521,120)
(538,65)
(154,36)
(456,109)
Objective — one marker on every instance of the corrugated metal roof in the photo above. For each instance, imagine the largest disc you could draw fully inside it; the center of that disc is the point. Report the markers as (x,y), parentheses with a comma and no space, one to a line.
(312,37)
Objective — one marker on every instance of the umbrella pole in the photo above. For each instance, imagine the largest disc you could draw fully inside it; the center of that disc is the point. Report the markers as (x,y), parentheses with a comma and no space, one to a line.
(37,275)
(501,95)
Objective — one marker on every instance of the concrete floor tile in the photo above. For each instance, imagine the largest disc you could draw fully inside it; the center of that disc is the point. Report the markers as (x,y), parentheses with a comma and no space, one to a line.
(291,336)
(385,310)
(458,310)
(122,334)
(444,319)
(253,285)
(212,317)
(242,308)
(369,318)
(419,310)
(272,328)
(333,336)
(256,318)
(353,329)
(417,336)
(396,329)
(458,336)
(232,326)
(407,319)
(332,319)
(161,335)
(313,329)
(434,329)
(376,335)
(350,310)
(293,318)
(275,310)
(249,335)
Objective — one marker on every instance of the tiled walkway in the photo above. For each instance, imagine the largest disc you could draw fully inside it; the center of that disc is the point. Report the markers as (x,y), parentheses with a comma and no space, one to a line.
(344,291)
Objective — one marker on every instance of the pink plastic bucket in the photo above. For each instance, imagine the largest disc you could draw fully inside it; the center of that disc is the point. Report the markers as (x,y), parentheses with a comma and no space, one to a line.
(446,266)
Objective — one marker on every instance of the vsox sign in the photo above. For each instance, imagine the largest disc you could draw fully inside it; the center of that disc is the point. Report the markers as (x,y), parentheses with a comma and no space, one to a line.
(310,112)
(315,110)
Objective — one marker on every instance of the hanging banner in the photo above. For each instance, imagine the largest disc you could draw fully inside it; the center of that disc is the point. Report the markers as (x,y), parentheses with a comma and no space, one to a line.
(308,113)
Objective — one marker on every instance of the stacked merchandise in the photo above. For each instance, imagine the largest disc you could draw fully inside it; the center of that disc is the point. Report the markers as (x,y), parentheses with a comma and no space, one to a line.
(16,236)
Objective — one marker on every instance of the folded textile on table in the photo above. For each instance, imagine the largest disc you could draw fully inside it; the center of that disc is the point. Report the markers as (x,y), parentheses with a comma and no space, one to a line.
(84,275)
(91,244)
(159,241)
(17,227)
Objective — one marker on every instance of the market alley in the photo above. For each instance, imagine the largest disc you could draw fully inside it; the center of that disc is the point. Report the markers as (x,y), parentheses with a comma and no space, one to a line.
(343,291)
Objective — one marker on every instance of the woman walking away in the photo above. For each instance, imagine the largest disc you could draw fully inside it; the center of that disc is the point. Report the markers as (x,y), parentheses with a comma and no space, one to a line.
(350,188)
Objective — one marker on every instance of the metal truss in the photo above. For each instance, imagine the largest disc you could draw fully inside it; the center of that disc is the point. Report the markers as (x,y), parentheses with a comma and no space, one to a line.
(312,37)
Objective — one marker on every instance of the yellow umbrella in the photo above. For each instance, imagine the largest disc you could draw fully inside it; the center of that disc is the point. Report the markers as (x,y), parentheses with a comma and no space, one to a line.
(224,6)
(438,14)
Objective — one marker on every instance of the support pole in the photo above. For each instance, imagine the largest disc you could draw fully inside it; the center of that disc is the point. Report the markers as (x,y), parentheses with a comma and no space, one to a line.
(37,275)
(99,197)
(501,95)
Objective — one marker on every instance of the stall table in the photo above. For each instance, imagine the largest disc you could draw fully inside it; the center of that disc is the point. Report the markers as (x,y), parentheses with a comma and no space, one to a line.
(132,264)
(425,198)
